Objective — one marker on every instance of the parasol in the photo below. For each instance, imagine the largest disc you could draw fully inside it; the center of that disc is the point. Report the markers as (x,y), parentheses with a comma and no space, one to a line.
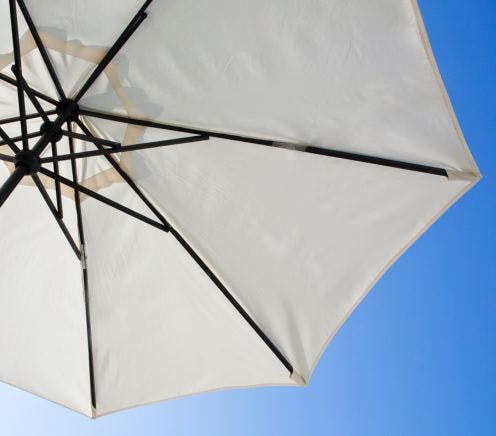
(196,195)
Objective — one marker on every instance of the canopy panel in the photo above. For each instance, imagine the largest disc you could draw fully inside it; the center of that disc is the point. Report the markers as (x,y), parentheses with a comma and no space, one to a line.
(357,76)
(43,340)
(160,327)
(299,238)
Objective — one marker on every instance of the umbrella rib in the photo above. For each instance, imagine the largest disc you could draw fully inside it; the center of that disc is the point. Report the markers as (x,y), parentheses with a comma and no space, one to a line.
(32,97)
(138,18)
(197,259)
(92,139)
(28,117)
(103,199)
(271,143)
(58,192)
(126,148)
(126,177)
(232,299)
(38,94)
(41,48)
(55,213)
(84,273)
(7,140)
(18,69)
(6,157)
(10,141)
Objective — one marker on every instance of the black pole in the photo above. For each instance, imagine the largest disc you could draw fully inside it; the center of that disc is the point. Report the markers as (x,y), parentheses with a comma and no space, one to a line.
(409,166)
(123,38)
(58,192)
(28,117)
(10,184)
(8,140)
(18,70)
(84,269)
(41,48)
(92,139)
(126,177)
(173,128)
(38,94)
(103,199)
(6,157)
(55,214)
(125,148)
(11,141)
(232,300)
(32,97)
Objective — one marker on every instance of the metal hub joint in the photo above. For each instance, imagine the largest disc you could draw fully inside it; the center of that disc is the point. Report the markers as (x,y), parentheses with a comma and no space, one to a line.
(56,135)
(68,107)
(28,160)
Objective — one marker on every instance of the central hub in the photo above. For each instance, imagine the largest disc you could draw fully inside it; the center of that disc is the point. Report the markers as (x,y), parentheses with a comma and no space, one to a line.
(69,108)
(27,160)
(46,127)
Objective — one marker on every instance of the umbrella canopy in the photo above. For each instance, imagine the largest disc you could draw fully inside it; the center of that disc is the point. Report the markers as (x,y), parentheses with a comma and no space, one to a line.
(225,181)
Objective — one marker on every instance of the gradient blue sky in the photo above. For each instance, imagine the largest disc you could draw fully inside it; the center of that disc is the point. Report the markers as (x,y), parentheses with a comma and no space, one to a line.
(418,357)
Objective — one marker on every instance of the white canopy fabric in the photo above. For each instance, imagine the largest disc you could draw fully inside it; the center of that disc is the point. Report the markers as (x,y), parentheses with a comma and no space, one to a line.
(297,239)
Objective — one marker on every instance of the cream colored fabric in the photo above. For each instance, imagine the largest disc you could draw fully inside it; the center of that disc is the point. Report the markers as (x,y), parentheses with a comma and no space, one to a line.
(42,324)
(298,239)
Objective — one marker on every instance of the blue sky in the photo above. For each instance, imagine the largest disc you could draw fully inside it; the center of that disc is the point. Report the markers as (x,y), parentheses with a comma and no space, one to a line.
(418,357)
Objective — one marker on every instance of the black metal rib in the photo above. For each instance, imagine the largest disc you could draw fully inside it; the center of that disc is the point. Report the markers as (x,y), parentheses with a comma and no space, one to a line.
(426,169)
(231,299)
(92,139)
(272,143)
(32,97)
(125,177)
(10,184)
(58,192)
(123,38)
(17,138)
(6,157)
(38,94)
(165,126)
(196,258)
(41,48)
(28,117)
(103,199)
(53,209)
(125,148)
(18,69)
(84,268)
(7,140)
